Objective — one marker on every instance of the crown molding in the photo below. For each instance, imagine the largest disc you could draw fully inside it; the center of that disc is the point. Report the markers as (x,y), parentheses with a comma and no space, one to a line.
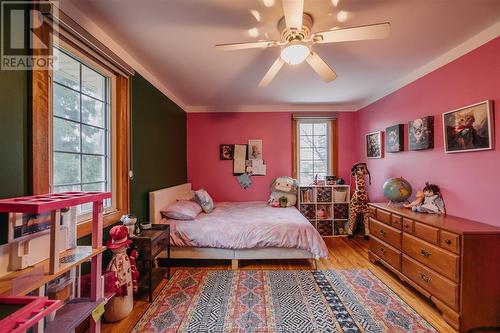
(273,108)
(470,44)
(85,22)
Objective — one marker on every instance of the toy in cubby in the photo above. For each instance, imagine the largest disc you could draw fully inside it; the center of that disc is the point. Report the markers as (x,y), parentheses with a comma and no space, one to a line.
(340,227)
(324,194)
(341,211)
(325,227)
(323,212)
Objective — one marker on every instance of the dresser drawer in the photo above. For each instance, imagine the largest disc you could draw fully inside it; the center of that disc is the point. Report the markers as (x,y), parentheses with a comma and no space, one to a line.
(426,232)
(383,216)
(386,252)
(397,221)
(432,256)
(435,284)
(449,241)
(386,233)
(407,225)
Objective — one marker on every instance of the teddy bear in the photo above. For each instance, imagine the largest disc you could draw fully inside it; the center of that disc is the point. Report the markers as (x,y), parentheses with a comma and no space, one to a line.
(283,192)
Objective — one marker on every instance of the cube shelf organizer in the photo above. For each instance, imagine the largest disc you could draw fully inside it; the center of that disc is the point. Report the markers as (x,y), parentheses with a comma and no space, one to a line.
(15,285)
(326,207)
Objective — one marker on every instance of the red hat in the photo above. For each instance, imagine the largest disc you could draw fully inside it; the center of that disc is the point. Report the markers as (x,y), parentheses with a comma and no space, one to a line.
(119,237)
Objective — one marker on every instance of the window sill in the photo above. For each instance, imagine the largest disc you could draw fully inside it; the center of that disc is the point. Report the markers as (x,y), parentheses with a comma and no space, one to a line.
(85,228)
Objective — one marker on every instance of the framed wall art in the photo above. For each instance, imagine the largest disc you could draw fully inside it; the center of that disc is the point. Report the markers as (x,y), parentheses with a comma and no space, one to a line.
(394,138)
(421,133)
(255,149)
(226,152)
(470,128)
(374,146)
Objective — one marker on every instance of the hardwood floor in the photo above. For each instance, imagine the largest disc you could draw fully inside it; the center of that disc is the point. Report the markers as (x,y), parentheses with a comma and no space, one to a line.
(343,254)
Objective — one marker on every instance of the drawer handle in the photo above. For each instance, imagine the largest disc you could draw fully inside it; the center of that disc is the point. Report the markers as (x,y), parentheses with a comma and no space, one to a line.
(448,241)
(382,232)
(425,253)
(382,250)
(425,278)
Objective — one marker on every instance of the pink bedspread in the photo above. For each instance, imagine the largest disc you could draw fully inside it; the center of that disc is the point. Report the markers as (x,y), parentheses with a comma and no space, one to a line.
(245,225)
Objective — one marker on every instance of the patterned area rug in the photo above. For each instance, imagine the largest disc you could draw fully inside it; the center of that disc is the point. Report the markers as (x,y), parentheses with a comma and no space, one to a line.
(279,301)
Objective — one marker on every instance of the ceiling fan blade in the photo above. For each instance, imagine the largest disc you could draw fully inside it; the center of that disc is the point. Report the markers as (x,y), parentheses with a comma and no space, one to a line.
(321,67)
(271,73)
(294,11)
(372,31)
(247,45)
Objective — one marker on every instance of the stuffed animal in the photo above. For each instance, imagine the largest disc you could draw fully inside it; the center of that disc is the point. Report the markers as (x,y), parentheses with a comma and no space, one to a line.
(283,188)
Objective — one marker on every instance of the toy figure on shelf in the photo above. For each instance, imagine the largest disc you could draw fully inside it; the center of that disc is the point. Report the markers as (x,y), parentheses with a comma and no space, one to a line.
(283,189)
(359,200)
(122,303)
(429,200)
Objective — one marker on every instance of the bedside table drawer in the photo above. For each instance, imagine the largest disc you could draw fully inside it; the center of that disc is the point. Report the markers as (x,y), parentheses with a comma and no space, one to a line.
(160,244)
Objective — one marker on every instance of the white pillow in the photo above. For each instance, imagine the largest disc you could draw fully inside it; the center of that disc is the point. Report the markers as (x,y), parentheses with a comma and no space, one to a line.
(204,200)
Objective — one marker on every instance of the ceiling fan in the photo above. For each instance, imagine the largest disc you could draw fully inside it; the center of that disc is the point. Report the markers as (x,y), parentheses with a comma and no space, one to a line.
(297,39)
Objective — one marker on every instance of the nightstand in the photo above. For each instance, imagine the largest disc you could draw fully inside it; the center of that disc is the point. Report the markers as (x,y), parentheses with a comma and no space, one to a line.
(150,243)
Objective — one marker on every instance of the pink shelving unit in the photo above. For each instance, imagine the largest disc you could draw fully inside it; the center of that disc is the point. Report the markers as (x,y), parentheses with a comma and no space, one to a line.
(74,312)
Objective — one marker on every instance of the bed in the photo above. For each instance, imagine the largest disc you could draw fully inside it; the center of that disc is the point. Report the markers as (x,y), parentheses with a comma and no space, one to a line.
(238,231)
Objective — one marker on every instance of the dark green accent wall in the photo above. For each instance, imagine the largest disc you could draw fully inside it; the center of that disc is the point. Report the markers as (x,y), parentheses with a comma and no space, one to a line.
(158,144)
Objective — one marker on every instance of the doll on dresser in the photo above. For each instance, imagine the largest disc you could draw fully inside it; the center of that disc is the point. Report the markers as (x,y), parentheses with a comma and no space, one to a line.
(429,200)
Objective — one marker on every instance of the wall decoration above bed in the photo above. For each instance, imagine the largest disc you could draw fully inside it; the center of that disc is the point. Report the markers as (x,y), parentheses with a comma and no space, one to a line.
(240,156)
(421,133)
(394,138)
(470,128)
(255,149)
(226,152)
(374,146)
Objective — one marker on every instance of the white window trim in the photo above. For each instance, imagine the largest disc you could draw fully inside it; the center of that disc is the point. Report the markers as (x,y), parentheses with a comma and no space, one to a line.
(113,125)
(329,143)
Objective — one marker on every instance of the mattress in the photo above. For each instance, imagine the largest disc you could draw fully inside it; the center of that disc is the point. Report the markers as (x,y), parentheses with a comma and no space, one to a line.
(248,225)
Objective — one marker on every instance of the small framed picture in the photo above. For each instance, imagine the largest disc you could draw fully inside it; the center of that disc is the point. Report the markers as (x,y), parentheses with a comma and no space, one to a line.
(330,180)
(421,133)
(394,138)
(374,147)
(255,150)
(226,152)
(470,128)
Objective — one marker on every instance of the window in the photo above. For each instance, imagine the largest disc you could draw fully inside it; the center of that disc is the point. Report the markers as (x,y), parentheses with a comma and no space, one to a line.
(313,150)
(81,127)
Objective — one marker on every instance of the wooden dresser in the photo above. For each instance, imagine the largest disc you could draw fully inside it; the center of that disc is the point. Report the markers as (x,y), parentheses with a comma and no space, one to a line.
(453,261)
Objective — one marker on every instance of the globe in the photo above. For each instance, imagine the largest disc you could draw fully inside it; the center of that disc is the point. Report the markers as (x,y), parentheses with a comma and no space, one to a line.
(397,189)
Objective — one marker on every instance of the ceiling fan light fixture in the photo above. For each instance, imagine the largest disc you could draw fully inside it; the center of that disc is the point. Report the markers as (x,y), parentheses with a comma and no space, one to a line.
(295,53)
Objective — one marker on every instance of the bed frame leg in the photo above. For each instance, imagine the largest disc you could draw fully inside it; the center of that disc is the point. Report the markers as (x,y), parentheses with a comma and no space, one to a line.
(315,264)
(234,264)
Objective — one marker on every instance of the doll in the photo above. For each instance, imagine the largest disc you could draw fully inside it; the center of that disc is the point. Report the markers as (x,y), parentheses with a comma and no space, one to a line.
(431,202)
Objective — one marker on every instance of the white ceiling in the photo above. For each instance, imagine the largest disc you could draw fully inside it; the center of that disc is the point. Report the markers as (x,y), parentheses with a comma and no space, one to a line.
(175,40)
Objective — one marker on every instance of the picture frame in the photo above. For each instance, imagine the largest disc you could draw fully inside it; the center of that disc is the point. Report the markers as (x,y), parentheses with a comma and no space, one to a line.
(239,159)
(469,128)
(374,145)
(330,180)
(226,152)
(255,149)
(394,138)
(421,133)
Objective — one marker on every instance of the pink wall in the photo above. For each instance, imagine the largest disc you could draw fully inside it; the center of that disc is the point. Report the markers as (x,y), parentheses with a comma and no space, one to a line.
(470,182)
(206,131)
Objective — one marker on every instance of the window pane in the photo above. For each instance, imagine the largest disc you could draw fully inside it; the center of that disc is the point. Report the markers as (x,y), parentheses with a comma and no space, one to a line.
(306,141)
(320,154)
(320,141)
(93,83)
(66,103)
(321,176)
(66,168)
(66,135)
(92,111)
(306,166)
(93,168)
(306,154)
(306,178)
(320,129)
(95,187)
(306,129)
(67,188)
(66,70)
(92,140)
(319,167)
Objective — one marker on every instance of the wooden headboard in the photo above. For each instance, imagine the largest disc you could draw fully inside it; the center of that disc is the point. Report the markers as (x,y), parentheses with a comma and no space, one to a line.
(160,199)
